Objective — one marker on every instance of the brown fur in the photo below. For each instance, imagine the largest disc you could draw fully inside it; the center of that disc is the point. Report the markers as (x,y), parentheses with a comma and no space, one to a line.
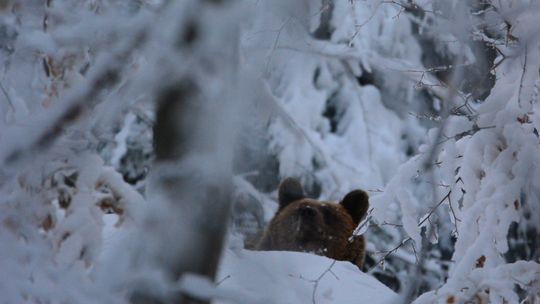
(323,228)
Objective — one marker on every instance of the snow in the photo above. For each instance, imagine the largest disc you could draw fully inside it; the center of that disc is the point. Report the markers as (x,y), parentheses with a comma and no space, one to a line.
(289,277)
(247,276)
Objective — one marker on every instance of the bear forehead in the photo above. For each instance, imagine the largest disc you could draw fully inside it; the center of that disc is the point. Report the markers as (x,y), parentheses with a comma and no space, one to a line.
(313,202)
(335,207)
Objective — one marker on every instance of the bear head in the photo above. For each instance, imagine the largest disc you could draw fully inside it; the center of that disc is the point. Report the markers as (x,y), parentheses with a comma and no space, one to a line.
(323,228)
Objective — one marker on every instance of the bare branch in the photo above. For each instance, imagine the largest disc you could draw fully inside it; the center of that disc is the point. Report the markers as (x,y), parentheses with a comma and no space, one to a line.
(470,132)
(447,196)
(274,46)
(453,214)
(426,218)
(318,280)
(388,253)
(10,103)
(223,280)
(522,75)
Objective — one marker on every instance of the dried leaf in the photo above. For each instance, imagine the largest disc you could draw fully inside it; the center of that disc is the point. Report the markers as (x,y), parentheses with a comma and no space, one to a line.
(480,262)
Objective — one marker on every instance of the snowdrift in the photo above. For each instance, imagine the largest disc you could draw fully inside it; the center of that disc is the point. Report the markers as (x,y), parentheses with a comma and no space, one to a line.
(290,277)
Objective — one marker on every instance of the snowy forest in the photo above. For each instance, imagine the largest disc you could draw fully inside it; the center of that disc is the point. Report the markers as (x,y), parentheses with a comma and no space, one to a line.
(143,143)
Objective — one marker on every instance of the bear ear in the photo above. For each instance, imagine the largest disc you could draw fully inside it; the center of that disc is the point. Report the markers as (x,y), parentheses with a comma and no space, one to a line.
(289,191)
(356,203)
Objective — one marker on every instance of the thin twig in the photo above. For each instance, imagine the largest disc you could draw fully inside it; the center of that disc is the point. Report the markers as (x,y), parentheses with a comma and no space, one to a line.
(388,253)
(522,76)
(415,255)
(4,91)
(453,214)
(359,26)
(411,5)
(223,280)
(427,216)
(465,133)
(318,280)
(275,44)
(434,208)
(390,224)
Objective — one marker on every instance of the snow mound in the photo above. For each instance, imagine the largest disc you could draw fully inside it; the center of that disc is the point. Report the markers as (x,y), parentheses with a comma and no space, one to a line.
(290,277)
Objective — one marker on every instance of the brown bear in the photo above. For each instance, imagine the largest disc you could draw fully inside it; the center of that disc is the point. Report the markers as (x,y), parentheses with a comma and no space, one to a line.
(323,228)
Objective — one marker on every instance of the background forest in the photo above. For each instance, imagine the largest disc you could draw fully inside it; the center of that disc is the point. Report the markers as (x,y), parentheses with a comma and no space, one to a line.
(142,140)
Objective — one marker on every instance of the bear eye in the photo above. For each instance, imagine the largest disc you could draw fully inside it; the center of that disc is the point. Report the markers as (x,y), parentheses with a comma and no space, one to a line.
(329,216)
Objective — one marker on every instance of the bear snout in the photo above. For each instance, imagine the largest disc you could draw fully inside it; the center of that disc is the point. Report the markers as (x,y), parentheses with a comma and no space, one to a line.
(307,212)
